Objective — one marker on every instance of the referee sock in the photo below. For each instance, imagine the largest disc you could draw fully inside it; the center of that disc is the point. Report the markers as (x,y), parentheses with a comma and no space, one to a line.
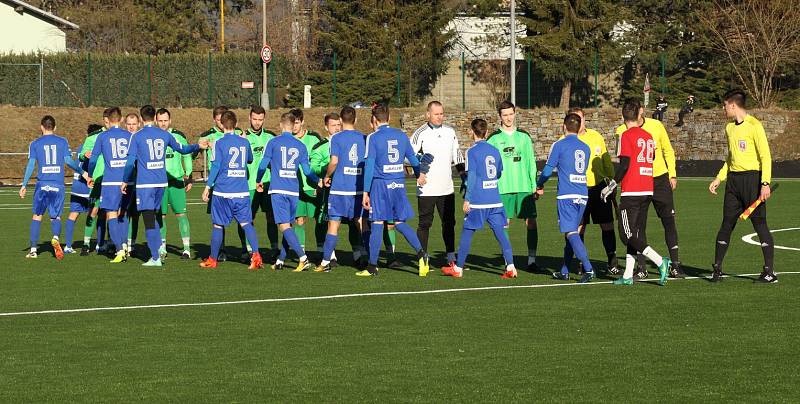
(252,237)
(55,226)
(609,242)
(328,247)
(216,241)
(70,228)
(568,254)
(376,233)
(580,251)
(767,243)
(36,226)
(533,243)
(272,234)
(410,235)
(185,230)
(630,262)
(505,244)
(653,256)
(464,246)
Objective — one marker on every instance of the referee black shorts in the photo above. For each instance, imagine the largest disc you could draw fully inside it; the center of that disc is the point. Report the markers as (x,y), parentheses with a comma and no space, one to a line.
(597,211)
(741,190)
(662,196)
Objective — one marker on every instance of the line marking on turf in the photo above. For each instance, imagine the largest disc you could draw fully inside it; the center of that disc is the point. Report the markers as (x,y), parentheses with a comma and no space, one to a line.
(749,239)
(345,296)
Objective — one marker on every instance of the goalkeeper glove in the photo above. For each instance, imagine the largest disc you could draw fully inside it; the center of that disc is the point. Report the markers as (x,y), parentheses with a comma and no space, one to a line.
(425,161)
(608,190)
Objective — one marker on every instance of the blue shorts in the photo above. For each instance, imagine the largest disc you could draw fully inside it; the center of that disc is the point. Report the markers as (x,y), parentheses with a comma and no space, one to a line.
(476,218)
(111,198)
(570,214)
(50,198)
(284,207)
(79,204)
(223,210)
(344,207)
(149,198)
(389,201)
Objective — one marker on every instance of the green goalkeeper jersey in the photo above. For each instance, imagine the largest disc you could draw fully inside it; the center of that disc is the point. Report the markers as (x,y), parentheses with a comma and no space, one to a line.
(519,161)
(176,163)
(310,139)
(320,157)
(258,142)
(88,145)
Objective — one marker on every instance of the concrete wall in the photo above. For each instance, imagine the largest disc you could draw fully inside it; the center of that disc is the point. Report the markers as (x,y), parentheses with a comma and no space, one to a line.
(701,138)
(25,33)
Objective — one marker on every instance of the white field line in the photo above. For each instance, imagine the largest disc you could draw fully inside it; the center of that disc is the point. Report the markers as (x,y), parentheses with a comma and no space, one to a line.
(342,296)
(750,239)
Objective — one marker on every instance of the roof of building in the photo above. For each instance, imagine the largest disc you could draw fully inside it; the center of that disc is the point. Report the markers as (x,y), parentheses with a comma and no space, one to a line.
(44,15)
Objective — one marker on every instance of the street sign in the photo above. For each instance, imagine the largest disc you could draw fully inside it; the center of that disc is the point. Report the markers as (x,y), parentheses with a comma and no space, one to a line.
(248,84)
(266,54)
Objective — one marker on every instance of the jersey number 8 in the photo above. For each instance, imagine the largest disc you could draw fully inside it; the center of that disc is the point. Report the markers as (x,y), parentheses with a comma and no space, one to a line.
(580,161)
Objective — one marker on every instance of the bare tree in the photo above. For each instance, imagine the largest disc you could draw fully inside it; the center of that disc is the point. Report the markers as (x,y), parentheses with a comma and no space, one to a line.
(759,38)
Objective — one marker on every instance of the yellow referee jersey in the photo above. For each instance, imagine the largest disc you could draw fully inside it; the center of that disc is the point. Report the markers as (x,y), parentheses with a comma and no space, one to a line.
(665,155)
(600,165)
(747,149)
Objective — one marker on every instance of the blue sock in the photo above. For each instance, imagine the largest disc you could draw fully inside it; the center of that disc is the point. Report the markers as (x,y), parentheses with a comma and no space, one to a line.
(153,240)
(252,237)
(463,246)
(500,233)
(568,253)
(284,249)
(36,226)
(70,229)
(330,244)
(55,226)
(291,240)
(216,241)
(375,243)
(113,233)
(101,228)
(410,235)
(580,251)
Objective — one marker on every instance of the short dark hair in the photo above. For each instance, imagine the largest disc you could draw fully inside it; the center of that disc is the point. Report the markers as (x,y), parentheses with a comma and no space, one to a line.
(228,120)
(573,122)
(162,111)
(348,115)
(218,110)
(737,97)
(106,112)
(329,116)
(298,114)
(148,112)
(288,118)
(630,110)
(48,122)
(381,113)
(479,127)
(505,105)
(434,103)
(92,128)
(114,114)
(258,110)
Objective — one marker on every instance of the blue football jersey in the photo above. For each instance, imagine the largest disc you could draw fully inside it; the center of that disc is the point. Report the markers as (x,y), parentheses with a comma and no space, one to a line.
(231,157)
(389,147)
(570,156)
(285,155)
(484,166)
(148,149)
(50,153)
(349,147)
(113,146)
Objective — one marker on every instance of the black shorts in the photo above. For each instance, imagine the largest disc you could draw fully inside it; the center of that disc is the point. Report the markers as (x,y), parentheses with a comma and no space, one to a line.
(261,201)
(597,211)
(742,189)
(632,215)
(662,196)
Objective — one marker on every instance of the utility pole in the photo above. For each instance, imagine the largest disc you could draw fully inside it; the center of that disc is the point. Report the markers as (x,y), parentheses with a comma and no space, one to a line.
(222,26)
(264,93)
(513,70)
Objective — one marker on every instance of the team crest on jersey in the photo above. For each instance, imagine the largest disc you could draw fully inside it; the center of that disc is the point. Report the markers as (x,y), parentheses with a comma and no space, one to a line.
(742,145)
(597,150)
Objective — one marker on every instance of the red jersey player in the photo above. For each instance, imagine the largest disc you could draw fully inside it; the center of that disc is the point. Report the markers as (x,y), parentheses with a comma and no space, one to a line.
(635,174)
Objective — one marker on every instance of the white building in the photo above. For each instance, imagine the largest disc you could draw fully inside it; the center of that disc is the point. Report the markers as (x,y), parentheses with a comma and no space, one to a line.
(27,29)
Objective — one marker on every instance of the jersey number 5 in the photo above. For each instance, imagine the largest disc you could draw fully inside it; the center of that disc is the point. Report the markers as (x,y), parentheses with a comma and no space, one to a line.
(394,154)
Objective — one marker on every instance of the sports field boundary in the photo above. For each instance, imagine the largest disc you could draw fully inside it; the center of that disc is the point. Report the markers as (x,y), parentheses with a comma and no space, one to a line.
(350,295)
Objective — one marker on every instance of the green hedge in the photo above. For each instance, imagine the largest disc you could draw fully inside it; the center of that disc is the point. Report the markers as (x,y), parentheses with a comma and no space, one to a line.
(173,80)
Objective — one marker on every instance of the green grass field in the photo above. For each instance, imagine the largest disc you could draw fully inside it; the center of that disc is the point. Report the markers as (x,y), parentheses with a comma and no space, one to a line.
(528,339)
